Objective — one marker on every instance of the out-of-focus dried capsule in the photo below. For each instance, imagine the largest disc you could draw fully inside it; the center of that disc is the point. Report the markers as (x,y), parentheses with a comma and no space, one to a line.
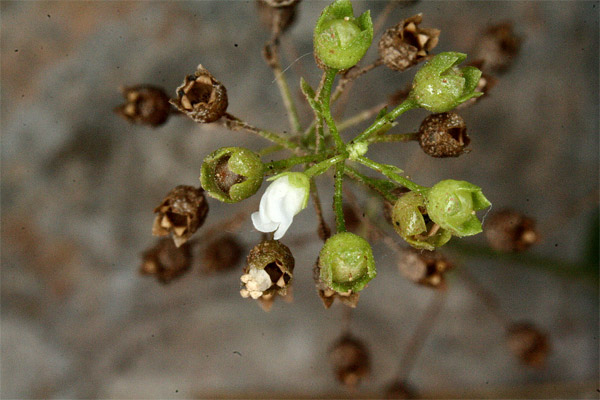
(166,261)
(328,295)
(530,345)
(231,174)
(277,16)
(201,97)
(444,135)
(424,267)
(268,270)
(406,44)
(497,47)
(510,231)
(400,390)
(181,213)
(350,360)
(388,206)
(222,254)
(145,105)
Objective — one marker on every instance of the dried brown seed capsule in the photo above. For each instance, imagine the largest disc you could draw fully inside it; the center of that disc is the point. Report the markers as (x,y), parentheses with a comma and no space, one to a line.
(350,360)
(268,270)
(406,44)
(497,47)
(424,267)
(400,390)
(328,295)
(181,213)
(388,206)
(201,97)
(444,135)
(222,254)
(166,261)
(145,105)
(528,343)
(277,16)
(510,231)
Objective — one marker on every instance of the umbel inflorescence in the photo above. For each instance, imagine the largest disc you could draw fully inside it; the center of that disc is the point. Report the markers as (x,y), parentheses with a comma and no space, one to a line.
(426,218)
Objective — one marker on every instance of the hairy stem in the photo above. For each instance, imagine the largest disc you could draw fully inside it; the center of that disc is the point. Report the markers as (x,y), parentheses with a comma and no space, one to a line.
(338,208)
(235,124)
(406,105)
(390,173)
(326,109)
(396,137)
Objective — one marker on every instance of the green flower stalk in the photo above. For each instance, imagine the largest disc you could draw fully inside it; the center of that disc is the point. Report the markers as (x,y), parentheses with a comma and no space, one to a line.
(413,224)
(232,174)
(452,205)
(346,262)
(340,40)
(440,85)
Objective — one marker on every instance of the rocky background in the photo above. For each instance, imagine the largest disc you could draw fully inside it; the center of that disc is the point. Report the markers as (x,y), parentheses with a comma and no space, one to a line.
(79,185)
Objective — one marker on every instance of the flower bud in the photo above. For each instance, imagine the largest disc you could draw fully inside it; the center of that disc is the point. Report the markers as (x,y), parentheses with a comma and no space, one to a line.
(406,44)
(340,40)
(510,231)
(232,174)
(145,105)
(201,97)
(222,254)
(166,261)
(440,86)
(413,224)
(426,268)
(346,262)
(452,205)
(268,270)
(181,213)
(350,360)
(283,199)
(444,135)
(528,344)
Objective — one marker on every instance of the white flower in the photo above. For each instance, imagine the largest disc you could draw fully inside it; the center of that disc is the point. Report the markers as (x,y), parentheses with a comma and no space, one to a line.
(256,281)
(283,199)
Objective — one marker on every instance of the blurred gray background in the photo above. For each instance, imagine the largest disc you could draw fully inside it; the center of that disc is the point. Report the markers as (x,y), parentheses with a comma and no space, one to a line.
(79,185)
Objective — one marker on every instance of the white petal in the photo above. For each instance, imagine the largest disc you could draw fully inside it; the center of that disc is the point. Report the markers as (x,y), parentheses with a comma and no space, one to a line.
(282,229)
(262,225)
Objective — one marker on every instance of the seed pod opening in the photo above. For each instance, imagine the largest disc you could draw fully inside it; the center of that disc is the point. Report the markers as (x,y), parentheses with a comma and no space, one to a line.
(181,213)
(444,135)
(201,97)
(145,105)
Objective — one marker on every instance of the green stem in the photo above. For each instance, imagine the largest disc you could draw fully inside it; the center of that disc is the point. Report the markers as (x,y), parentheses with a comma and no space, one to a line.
(326,109)
(323,166)
(234,123)
(276,166)
(390,173)
(396,137)
(408,104)
(284,89)
(268,150)
(338,208)
(360,117)
(381,187)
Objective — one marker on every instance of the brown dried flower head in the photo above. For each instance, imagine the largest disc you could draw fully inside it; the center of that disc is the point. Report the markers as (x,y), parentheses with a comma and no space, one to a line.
(222,254)
(328,295)
(497,47)
(510,231)
(528,343)
(201,97)
(350,360)
(444,135)
(181,213)
(166,261)
(277,16)
(407,44)
(145,105)
(424,267)
(268,271)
